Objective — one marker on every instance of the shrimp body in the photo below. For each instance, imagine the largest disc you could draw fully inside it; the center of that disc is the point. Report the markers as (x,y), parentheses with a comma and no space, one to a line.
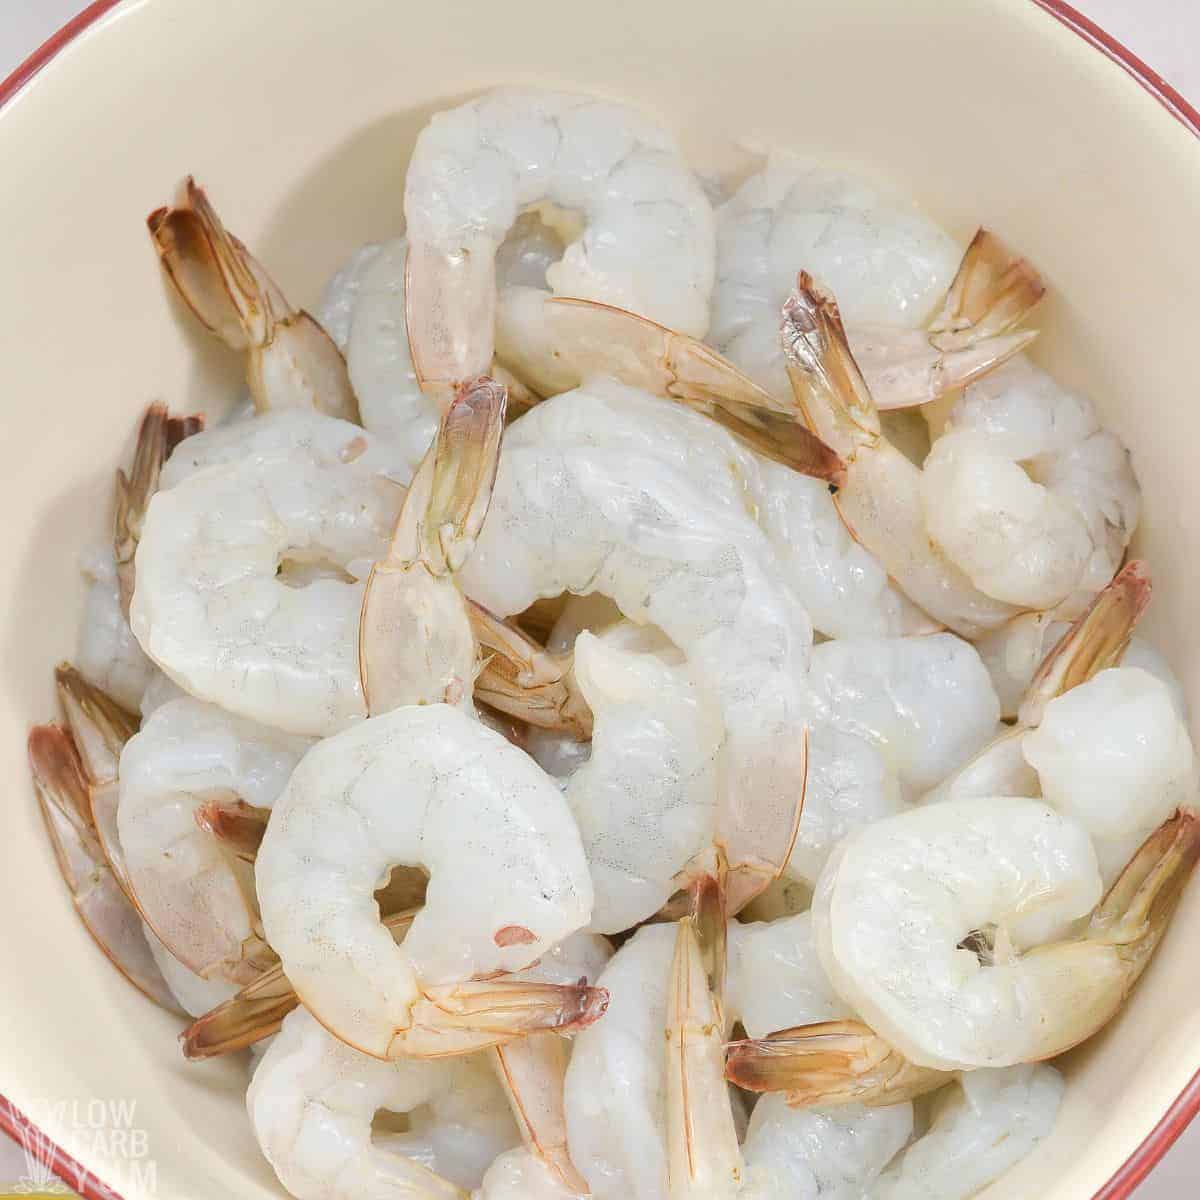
(844,589)
(646,242)
(574,517)
(821,1153)
(897,897)
(495,901)
(312,1101)
(981,1126)
(645,800)
(216,602)
(1114,755)
(186,755)
(518,1175)
(1027,493)
(106,652)
(196,995)
(885,261)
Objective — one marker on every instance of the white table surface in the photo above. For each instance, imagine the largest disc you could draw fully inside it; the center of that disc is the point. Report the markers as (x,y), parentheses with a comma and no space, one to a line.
(1164,33)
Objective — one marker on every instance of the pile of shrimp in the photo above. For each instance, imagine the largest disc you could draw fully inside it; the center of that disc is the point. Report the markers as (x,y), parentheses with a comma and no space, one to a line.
(646,696)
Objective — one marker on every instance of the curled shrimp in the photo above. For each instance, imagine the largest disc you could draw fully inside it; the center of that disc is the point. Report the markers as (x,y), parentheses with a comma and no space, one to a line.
(291,361)
(988,887)
(1027,493)
(474,169)
(881,499)
(577,517)
(313,1098)
(196,897)
(103,907)
(495,903)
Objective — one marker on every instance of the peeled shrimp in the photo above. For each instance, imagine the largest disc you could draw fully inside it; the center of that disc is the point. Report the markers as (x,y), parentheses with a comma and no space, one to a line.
(198,900)
(576,517)
(312,1101)
(1026,493)
(291,362)
(844,589)
(495,901)
(981,1126)
(1113,754)
(339,297)
(897,900)
(216,602)
(645,800)
(106,652)
(881,500)
(195,994)
(646,243)
(519,1175)
(886,262)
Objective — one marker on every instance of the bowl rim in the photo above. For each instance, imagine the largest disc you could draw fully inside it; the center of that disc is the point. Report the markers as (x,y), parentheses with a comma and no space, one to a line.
(1185,1106)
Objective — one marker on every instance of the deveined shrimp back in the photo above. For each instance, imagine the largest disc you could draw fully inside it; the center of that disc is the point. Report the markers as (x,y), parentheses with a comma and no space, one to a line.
(403,788)
(644,240)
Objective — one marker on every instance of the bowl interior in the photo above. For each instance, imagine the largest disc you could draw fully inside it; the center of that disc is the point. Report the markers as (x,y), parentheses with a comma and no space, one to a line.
(989,113)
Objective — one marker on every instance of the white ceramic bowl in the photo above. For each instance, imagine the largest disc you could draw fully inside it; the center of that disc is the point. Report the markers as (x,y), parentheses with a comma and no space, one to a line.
(299,118)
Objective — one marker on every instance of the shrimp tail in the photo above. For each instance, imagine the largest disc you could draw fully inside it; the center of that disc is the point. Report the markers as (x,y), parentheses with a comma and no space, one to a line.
(826,381)
(827,1063)
(520,678)
(413,624)
(993,291)
(291,361)
(703,1156)
(258,1010)
(99,727)
(600,339)
(238,826)
(1096,641)
(459,1018)
(158,434)
(532,1071)
(111,920)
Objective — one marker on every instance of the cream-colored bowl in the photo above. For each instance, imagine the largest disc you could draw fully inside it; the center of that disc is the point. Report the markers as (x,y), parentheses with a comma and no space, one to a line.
(299,116)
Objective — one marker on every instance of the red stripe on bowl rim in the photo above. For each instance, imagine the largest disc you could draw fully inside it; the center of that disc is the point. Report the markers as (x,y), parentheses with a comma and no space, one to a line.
(1187,1103)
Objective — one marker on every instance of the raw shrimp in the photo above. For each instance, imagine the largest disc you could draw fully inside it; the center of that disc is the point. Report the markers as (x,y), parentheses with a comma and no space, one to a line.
(887,263)
(339,298)
(570,516)
(103,907)
(198,899)
(1096,641)
(1113,754)
(415,641)
(645,801)
(642,235)
(981,1126)
(1026,493)
(897,900)
(881,499)
(313,1098)
(927,702)
(519,1175)
(106,652)
(495,901)
(291,362)
(195,994)
(821,1154)
(532,1070)
(217,604)
(844,589)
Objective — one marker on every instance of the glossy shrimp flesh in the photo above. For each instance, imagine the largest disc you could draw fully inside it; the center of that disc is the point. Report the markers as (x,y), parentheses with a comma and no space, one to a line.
(495,901)
(313,1099)
(640,227)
